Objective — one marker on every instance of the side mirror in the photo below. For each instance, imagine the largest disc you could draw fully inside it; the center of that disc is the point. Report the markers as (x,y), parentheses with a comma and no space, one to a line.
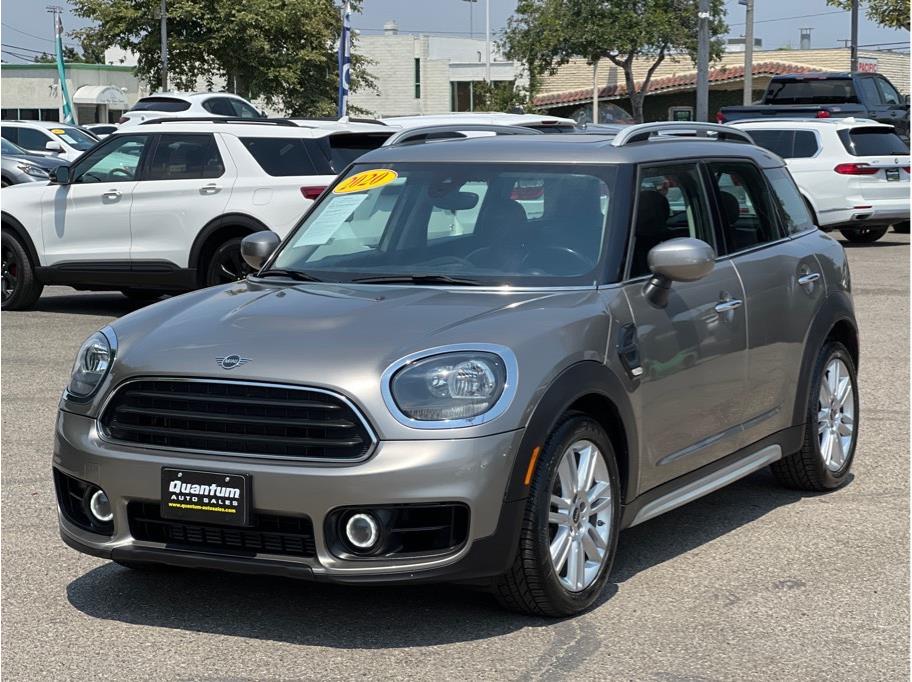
(906,99)
(677,260)
(256,248)
(60,175)
(53,146)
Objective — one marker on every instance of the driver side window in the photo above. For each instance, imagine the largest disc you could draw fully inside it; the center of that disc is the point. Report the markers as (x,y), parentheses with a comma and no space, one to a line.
(114,162)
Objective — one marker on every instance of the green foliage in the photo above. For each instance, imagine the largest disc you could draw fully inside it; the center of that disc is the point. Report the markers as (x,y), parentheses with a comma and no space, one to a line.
(91,53)
(283,51)
(548,33)
(500,96)
(889,13)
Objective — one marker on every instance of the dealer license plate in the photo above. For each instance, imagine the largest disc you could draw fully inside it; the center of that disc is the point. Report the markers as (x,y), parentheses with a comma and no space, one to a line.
(892,174)
(205,496)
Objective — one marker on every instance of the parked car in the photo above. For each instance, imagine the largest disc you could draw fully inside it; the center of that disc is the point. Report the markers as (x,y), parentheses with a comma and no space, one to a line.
(853,174)
(189,104)
(547,124)
(385,402)
(45,138)
(18,166)
(101,130)
(188,191)
(828,95)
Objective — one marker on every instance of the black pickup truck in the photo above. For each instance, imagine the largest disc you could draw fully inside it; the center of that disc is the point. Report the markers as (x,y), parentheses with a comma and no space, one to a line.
(826,95)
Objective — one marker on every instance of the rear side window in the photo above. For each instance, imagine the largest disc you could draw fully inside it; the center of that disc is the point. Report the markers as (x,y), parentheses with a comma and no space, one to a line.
(818,91)
(220,106)
(186,157)
(748,216)
(347,147)
(169,104)
(789,144)
(879,141)
(794,209)
(287,156)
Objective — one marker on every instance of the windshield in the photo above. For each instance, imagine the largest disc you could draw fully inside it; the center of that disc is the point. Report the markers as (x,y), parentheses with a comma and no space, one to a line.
(75,138)
(168,104)
(7,147)
(489,224)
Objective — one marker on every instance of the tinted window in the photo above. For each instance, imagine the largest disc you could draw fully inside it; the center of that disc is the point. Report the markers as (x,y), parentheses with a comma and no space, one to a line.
(345,148)
(869,90)
(168,104)
(671,203)
(805,144)
(284,156)
(10,133)
(748,216)
(890,96)
(794,209)
(817,91)
(220,106)
(880,141)
(186,157)
(777,141)
(32,139)
(117,161)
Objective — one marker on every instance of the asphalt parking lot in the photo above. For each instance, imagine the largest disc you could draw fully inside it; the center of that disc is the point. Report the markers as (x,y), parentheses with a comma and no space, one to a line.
(750,583)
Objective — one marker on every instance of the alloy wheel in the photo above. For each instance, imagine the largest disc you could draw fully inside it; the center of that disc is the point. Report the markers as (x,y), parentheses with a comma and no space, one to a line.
(580,516)
(9,273)
(228,267)
(835,414)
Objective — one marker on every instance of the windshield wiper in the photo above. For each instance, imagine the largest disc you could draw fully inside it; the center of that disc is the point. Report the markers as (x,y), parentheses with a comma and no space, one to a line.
(291,274)
(417,279)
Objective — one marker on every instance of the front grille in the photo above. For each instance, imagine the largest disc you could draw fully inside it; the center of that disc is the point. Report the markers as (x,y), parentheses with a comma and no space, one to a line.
(269,534)
(238,418)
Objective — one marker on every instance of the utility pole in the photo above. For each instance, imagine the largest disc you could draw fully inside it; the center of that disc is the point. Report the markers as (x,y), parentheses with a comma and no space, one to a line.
(748,52)
(471,20)
(488,41)
(703,61)
(595,90)
(164,45)
(854,66)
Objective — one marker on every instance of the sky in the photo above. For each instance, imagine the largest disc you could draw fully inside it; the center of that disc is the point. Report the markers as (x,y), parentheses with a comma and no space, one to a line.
(27,27)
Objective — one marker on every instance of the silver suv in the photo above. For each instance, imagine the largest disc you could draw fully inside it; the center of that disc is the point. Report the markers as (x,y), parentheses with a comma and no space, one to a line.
(476,361)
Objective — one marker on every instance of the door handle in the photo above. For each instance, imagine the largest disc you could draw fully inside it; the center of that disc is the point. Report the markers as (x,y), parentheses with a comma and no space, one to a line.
(211,188)
(729,305)
(809,278)
(112,194)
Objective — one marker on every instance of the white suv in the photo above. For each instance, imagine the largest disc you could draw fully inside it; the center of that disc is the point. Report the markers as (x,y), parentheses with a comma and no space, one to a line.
(162,207)
(853,173)
(188,104)
(46,138)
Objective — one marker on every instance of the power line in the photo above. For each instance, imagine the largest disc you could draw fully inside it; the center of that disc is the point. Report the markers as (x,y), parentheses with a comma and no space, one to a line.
(798,16)
(30,35)
(26,49)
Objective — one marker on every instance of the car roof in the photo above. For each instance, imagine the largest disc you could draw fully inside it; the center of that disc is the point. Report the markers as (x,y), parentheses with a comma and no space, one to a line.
(190,96)
(810,123)
(477,117)
(568,149)
(46,125)
(814,75)
(252,129)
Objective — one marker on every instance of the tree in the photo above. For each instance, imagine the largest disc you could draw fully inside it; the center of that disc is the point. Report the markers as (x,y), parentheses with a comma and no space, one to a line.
(91,53)
(281,51)
(888,13)
(547,33)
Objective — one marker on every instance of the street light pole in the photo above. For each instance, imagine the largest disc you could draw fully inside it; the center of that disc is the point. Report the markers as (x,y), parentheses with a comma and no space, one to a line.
(748,52)
(164,45)
(702,113)
(488,41)
(854,57)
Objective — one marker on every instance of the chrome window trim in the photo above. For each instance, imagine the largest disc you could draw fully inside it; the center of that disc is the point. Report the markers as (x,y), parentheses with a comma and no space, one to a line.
(496,410)
(102,434)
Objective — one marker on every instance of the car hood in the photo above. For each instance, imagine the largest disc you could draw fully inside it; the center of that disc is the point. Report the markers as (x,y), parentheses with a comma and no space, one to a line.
(342,337)
(45,162)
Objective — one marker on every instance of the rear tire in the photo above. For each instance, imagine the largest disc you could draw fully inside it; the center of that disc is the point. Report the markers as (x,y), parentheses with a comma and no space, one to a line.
(901,228)
(19,288)
(864,235)
(226,264)
(573,531)
(822,463)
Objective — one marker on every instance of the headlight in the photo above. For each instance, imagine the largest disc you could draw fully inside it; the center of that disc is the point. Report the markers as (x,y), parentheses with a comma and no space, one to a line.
(450,389)
(93,362)
(34,171)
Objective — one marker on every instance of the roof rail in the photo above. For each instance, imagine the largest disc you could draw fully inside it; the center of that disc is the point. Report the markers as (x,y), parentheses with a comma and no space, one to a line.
(334,119)
(220,119)
(643,131)
(454,131)
(805,119)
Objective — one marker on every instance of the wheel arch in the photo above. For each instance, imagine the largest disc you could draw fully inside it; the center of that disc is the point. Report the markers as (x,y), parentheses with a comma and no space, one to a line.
(593,389)
(18,230)
(216,231)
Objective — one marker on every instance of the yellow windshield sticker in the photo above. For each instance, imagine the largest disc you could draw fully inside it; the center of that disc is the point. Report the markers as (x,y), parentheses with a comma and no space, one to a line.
(58,131)
(359,182)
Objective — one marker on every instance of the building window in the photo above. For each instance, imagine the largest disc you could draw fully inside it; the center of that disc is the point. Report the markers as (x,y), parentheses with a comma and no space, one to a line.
(462,96)
(417,78)
(30,115)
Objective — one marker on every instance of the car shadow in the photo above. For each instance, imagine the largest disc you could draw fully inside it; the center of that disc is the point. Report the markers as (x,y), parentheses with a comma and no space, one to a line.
(369,617)
(108,304)
(883,241)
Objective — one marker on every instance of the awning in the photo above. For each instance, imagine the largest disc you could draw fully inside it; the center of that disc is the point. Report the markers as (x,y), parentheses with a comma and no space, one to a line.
(100,94)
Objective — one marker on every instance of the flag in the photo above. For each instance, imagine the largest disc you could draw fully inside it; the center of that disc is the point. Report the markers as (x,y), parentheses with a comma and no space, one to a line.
(69,116)
(344,61)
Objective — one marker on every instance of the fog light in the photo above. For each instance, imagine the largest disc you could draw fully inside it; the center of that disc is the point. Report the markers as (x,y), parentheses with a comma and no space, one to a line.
(100,506)
(362,531)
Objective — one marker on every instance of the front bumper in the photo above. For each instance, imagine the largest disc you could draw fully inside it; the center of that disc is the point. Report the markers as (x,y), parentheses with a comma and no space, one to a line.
(473,471)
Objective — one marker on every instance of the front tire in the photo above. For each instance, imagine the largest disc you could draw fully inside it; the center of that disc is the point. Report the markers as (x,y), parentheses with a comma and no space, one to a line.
(831,431)
(226,264)
(570,524)
(864,235)
(19,288)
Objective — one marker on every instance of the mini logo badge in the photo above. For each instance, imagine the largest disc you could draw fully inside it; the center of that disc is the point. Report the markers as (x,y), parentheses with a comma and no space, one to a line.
(231,361)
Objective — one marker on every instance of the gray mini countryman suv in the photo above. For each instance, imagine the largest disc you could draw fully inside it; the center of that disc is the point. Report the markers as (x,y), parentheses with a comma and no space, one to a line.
(476,361)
